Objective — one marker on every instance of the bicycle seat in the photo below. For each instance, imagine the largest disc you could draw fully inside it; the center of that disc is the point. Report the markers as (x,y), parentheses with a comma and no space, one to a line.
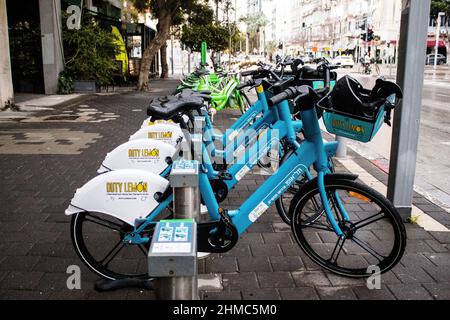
(175,105)
(204,94)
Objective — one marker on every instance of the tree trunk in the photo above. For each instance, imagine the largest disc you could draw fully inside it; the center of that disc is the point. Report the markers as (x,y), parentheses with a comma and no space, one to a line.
(164,23)
(164,64)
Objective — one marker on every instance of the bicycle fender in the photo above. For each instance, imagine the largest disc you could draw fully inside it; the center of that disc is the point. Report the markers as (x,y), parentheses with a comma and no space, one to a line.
(168,133)
(124,194)
(143,154)
(150,121)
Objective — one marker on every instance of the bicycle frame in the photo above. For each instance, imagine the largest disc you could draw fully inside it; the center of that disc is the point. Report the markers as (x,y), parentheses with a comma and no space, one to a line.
(312,151)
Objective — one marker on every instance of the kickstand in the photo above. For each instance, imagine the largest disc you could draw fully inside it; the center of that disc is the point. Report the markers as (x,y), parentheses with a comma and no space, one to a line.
(105,285)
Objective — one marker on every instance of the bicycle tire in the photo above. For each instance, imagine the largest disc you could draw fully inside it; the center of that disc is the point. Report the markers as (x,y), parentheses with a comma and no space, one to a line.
(389,212)
(86,252)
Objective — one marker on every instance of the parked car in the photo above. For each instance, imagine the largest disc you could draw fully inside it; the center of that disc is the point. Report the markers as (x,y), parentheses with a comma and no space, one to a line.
(344,61)
(441,59)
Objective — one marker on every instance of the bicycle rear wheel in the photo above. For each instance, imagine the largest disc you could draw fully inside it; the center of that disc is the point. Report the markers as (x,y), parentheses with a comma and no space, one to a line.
(373,237)
(98,241)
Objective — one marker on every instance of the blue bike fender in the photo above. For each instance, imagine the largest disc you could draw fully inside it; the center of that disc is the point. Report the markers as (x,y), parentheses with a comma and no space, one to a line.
(331,148)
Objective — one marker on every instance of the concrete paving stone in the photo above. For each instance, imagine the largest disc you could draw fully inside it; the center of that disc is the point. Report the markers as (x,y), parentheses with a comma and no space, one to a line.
(224,295)
(15,248)
(298,293)
(18,263)
(237,281)
(418,246)
(277,238)
(412,274)
(24,295)
(429,207)
(264,250)
(340,281)
(54,264)
(291,250)
(112,295)
(442,237)
(414,259)
(281,227)
(21,280)
(241,249)
(286,263)
(436,246)
(417,233)
(439,259)
(275,279)
(439,291)
(138,294)
(53,282)
(439,273)
(410,292)
(70,295)
(260,228)
(254,264)
(364,293)
(336,293)
(216,264)
(261,294)
(310,278)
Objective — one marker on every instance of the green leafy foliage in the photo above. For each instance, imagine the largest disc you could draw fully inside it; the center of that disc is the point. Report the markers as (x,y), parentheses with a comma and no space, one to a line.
(90,53)
(439,6)
(200,26)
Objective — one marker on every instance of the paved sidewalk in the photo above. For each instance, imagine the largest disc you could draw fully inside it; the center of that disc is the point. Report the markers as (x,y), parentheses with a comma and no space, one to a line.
(45,157)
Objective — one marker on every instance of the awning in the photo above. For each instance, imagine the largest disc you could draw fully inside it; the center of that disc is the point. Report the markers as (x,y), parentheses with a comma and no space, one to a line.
(432,44)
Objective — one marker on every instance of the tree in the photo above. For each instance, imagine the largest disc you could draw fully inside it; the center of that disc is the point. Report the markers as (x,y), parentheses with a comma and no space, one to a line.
(255,22)
(165,11)
(200,27)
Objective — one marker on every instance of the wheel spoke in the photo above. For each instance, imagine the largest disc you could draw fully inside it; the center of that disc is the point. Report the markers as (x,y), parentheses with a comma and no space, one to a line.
(368,248)
(143,249)
(337,250)
(111,254)
(362,223)
(105,223)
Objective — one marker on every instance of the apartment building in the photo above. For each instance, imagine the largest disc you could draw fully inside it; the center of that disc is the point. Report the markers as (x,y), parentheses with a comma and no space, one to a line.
(333,27)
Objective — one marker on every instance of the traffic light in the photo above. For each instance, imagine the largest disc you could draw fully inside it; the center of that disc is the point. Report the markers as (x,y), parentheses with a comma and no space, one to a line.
(363,36)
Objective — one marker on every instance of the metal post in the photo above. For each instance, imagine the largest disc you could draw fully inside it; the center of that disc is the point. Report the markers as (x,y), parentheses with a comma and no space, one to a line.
(186,200)
(189,60)
(438,34)
(410,76)
(341,151)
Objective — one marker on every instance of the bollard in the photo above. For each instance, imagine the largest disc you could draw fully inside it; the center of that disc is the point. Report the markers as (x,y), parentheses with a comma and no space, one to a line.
(341,151)
(174,263)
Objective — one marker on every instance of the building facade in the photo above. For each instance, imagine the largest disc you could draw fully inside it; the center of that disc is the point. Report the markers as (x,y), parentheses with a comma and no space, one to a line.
(333,27)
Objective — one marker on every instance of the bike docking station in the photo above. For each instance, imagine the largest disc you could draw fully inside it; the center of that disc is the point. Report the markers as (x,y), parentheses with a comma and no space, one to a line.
(172,258)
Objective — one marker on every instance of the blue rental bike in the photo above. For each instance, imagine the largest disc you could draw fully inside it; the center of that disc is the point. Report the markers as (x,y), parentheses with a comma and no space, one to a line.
(344,226)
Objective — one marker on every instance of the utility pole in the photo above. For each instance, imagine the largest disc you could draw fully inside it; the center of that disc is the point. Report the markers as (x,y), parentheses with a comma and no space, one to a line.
(438,34)
(406,125)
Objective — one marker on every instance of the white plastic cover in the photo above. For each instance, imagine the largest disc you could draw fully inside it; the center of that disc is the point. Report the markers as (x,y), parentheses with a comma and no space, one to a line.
(125,194)
(143,154)
(168,133)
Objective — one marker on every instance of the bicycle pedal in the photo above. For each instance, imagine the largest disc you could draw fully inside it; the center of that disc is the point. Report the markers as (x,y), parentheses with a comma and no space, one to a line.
(223,175)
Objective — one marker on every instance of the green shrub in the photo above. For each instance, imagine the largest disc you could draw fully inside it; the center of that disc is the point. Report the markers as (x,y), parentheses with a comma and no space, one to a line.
(90,53)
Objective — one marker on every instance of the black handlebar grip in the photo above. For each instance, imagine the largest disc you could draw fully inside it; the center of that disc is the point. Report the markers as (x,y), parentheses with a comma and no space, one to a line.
(286,94)
(245,84)
(249,73)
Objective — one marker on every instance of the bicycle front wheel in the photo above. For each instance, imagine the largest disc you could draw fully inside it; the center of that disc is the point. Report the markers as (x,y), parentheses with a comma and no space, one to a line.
(374,237)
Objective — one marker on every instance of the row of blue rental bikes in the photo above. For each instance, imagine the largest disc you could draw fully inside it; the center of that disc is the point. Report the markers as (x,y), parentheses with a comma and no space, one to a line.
(344,226)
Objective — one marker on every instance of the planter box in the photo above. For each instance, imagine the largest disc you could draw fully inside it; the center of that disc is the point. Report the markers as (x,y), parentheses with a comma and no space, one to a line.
(85,86)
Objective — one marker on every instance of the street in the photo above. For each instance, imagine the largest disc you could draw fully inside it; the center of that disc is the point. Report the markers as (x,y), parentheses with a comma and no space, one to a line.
(434,142)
